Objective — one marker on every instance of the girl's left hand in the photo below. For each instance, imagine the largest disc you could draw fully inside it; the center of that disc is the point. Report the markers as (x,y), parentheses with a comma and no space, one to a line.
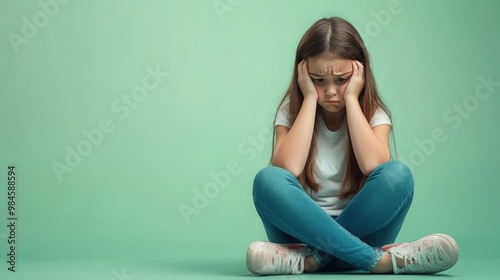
(356,81)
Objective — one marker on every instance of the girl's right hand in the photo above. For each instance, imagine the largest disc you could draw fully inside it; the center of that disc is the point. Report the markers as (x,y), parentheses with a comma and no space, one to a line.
(305,82)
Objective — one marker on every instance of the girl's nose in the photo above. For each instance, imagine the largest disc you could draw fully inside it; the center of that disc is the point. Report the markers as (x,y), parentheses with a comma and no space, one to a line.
(331,90)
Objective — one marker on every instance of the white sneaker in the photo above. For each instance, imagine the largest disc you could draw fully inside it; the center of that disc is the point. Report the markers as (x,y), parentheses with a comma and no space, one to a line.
(266,258)
(430,254)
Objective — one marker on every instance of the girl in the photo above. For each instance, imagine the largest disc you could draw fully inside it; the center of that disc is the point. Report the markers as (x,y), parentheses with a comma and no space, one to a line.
(332,197)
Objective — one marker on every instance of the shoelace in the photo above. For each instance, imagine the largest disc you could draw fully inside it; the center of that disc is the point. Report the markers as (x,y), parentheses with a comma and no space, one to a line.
(285,262)
(420,259)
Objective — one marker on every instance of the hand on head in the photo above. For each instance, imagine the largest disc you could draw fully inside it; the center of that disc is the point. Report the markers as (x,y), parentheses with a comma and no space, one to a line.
(306,84)
(356,81)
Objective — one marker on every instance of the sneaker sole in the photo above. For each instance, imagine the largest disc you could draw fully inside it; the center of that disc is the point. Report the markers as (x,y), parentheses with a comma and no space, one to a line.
(254,248)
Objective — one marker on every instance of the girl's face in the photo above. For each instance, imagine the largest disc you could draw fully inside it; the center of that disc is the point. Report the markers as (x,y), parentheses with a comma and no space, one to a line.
(330,76)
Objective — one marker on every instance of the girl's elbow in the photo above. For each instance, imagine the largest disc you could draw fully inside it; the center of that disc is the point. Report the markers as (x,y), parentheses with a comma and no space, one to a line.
(296,172)
(290,168)
(368,168)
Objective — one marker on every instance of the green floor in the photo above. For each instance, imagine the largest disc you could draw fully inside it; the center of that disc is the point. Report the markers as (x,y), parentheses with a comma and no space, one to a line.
(465,269)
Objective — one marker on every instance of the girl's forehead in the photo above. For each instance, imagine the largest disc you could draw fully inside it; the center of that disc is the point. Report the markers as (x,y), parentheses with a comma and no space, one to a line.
(329,65)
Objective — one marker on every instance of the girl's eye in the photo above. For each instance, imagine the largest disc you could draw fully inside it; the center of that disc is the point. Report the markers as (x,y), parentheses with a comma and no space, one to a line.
(341,80)
(318,81)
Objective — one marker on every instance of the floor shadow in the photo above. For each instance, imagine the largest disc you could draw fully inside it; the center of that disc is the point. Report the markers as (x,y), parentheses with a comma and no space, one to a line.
(239,269)
(203,267)
(361,272)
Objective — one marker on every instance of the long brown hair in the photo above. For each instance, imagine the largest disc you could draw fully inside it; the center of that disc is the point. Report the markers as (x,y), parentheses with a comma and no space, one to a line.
(338,37)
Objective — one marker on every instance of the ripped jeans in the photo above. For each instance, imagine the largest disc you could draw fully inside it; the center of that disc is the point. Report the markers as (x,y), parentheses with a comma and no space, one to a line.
(350,241)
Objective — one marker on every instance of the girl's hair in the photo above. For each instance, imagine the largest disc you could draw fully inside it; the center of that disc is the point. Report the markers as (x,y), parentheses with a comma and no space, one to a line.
(338,37)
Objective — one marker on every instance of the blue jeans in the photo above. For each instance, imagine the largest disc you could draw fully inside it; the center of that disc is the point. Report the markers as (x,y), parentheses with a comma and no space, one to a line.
(352,240)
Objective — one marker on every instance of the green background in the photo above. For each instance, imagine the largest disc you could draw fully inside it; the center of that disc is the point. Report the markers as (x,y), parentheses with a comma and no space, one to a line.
(227,70)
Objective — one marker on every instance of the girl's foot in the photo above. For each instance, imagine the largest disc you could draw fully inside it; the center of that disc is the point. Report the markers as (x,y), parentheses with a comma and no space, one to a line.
(430,254)
(266,258)
(389,246)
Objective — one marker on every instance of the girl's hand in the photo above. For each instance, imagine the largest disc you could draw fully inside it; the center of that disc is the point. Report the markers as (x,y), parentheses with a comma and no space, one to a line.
(356,81)
(306,84)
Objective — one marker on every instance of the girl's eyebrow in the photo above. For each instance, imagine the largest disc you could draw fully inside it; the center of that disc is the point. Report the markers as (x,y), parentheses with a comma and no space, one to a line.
(339,74)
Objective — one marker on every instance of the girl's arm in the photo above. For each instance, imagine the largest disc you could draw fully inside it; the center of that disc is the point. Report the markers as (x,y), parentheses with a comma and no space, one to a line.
(370,145)
(293,144)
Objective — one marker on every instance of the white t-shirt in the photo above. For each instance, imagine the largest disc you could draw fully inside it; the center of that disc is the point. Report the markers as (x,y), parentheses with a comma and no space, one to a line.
(330,160)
